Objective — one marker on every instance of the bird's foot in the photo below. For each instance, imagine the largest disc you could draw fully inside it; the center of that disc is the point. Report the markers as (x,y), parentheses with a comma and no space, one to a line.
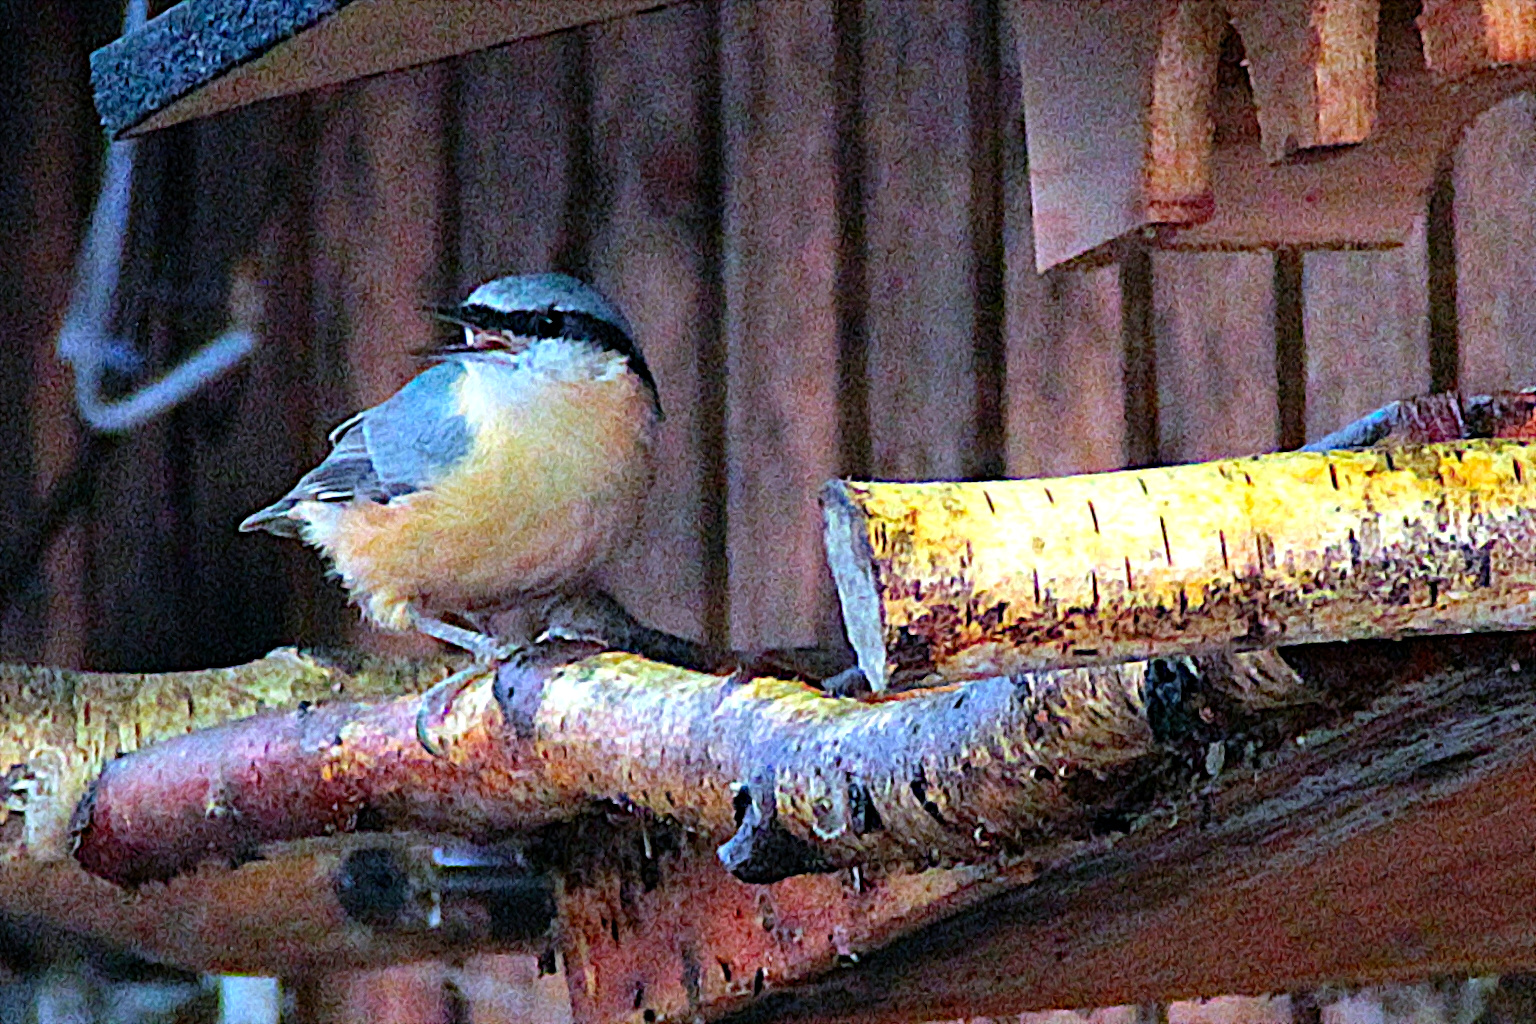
(485,648)
(488,652)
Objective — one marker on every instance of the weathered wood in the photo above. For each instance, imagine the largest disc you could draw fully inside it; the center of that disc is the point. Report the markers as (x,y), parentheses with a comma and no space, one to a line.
(512,158)
(1214,319)
(781,333)
(1182,132)
(378,194)
(1085,64)
(963,581)
(1495,181)
(920,258)
(1465,36)
(1397,846)
(1064,399)
(1313,68)
(209,56)
(1366,321)
(649,256)
(46,156)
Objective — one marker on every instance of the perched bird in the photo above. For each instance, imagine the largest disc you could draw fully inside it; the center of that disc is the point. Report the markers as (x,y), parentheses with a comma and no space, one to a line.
(512,468)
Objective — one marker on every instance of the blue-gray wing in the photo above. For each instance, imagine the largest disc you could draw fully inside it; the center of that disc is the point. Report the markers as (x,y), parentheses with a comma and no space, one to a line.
(397,447)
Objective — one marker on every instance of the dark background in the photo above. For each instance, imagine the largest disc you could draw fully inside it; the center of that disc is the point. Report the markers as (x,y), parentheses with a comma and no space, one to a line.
(816,215)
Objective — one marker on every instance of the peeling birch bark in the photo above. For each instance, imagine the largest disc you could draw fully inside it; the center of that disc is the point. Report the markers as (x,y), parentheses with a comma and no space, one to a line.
(291,912)
(953,581)
(789,779)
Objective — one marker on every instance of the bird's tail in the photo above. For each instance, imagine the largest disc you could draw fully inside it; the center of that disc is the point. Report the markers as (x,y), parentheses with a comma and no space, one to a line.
(274,519)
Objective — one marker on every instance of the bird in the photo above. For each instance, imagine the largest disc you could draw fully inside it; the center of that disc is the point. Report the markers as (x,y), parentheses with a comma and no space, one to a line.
(512,468)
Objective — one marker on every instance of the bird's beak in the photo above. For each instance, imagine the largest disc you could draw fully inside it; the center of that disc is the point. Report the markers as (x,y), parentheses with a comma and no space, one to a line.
(447,312)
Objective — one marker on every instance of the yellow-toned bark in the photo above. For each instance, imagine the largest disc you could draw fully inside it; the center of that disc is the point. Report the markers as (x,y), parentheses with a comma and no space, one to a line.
(1181,132)
(950,581)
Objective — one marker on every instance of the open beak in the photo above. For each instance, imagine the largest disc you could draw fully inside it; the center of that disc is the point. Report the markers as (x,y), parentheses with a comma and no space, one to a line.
(447,312)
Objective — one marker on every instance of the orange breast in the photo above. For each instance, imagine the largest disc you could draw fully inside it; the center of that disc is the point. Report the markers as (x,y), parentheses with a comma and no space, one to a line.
(553,487)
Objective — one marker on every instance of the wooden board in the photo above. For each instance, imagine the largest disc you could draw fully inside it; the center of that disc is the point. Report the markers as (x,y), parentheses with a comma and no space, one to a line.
(920,256)
(1495,176)
(1066,404)
(48,617)
(207,56)
(512,158)
(780,268)
(1085,64)
(1399,849)
(380,175)
(651,255)
(1214,321)
(1064,400)
(1366,322)
(1090,64)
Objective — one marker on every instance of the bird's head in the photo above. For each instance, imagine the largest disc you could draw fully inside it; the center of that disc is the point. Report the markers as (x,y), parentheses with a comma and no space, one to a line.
(509,315)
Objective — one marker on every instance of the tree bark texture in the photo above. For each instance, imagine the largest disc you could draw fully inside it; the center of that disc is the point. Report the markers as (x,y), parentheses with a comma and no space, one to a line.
(952,581)
(789,779)
(299,908)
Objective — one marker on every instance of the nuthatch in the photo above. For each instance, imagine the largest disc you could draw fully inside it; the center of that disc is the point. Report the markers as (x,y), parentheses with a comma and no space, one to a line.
(511,469)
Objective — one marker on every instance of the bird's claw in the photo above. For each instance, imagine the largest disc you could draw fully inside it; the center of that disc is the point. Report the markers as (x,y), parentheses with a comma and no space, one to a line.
(437,699)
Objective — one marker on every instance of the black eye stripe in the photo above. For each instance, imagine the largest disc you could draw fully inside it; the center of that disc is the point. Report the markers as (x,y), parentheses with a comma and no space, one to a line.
(556,323)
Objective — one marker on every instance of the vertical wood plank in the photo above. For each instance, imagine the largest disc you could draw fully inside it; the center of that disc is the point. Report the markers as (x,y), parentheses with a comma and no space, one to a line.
(781,256)
(1214,321)
(920,258)
(46,157)
(1064,395)
(1066,401)
(1495,210)
(242,595)
(133,577)
(379,191)
(650,256)
(1064,398)
(516,122)
(1366,321)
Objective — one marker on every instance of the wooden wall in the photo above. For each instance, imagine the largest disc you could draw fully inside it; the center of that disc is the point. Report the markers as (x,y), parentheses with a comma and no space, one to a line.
(815,213)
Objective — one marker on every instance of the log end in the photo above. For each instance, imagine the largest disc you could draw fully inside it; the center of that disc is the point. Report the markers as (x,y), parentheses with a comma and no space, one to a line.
(852,561)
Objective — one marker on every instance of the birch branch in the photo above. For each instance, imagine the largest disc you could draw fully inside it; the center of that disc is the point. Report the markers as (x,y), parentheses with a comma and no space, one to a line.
(789,779)
(951,581)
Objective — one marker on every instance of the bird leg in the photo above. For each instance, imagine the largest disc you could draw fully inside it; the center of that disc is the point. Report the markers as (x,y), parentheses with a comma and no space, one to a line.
(434,703)
(483,647)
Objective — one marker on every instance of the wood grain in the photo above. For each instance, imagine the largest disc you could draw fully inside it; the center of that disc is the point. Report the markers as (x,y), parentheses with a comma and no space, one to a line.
(1086,63)
(780,268)
(1214,320)
(1495,176)
(1366,321)
(512,160)
(649,257)
(379,189)
(919,256)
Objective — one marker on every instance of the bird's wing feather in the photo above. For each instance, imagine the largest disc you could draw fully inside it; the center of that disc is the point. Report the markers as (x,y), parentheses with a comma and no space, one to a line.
(419,433)
(397,447)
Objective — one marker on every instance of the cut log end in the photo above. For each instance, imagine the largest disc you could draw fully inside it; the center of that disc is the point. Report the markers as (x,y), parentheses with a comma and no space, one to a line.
(852,563)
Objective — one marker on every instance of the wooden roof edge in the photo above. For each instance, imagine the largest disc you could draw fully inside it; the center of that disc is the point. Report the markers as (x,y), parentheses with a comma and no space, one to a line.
(203,57)
(187,46)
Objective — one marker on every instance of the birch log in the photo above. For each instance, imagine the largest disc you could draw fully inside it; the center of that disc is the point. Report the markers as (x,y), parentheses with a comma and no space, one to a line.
(952,581)
(789,779)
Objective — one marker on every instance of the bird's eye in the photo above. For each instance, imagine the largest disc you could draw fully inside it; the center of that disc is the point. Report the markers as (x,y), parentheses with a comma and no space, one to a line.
(548,325)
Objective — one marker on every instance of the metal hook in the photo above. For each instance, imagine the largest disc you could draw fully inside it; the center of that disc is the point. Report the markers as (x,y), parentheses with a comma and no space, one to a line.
(84,341)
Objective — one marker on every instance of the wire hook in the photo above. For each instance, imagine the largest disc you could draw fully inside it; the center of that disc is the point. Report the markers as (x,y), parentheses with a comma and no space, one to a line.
(84,342)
